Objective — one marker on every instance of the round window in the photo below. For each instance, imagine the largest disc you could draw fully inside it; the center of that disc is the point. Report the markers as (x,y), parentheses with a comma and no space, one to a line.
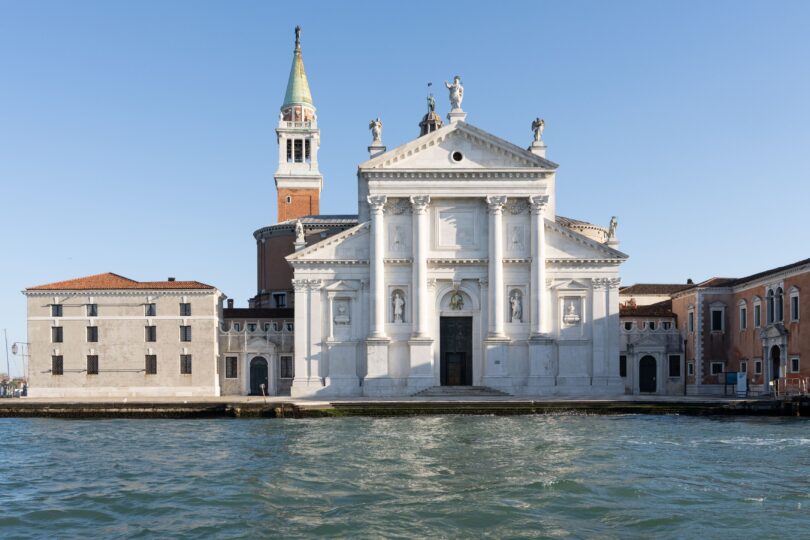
(457,156)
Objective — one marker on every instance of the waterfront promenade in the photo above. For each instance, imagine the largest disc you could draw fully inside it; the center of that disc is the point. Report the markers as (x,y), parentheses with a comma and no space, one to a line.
(286,407)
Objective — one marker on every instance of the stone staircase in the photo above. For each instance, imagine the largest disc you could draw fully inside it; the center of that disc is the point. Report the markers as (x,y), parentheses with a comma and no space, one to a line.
(460,391)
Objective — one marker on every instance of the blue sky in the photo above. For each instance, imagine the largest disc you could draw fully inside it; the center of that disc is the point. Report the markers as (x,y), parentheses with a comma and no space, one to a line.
(138,137)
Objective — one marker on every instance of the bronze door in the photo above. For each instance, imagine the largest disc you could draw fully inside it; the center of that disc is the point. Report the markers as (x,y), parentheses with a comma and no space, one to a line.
(455,351)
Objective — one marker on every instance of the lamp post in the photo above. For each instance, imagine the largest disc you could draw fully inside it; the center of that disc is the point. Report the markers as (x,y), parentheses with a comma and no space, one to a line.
(17,348)
(8,363)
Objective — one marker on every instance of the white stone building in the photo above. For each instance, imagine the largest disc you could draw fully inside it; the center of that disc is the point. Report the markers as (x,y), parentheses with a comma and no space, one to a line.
(459,272)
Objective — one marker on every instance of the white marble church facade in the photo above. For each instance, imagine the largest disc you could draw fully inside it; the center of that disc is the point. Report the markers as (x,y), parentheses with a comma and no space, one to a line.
(459,272)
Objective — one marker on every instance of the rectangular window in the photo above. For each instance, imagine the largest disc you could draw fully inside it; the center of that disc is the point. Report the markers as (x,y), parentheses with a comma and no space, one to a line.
(266,326)
(280,299)
(743,318)
(717,368)
(185,364)
(307,150)
(651,325)
(151,333)
(151,364)
(185,309)
(57,334)
(251,327)
(277,326)
(717,320)
(691,322)
(690,368)
(286,367)
(185,333)
(237,327)
(290,327)
(56,310)
(92,310)
(289,150)
(794,365)
(298,146)
(628,326)
(92,334)
(230,367)
(758,367)
(57,366)
(744,366)
(622,366)
(674,365)
(92,364)
(666,325)
(150,310)
(794,308)
(757,316)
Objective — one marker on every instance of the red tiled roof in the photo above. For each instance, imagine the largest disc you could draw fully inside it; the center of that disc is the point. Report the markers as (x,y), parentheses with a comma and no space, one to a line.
(654,288)
(110,281)
(660,309)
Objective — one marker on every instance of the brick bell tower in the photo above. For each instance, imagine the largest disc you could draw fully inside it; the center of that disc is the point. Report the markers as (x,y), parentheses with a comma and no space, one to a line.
(298,180)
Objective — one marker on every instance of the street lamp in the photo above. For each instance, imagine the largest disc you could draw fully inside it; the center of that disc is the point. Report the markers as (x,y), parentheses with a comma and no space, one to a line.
(17,348)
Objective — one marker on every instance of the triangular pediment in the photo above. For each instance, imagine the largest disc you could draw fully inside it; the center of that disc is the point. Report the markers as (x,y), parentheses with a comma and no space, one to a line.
(563,243)
(572,285)
(476,149)
(347,247)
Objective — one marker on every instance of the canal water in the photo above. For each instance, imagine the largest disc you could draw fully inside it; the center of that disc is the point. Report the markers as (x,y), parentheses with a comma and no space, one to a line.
(442,476)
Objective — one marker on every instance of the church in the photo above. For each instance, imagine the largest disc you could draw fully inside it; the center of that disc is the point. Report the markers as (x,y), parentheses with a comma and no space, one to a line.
(455,271)
(455,274)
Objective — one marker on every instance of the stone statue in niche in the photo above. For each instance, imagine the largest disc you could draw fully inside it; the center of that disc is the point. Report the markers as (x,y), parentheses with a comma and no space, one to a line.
(571,316)
(398,302)
(456,301)
(456,93)
(516,303)
(342,312)
(299,232)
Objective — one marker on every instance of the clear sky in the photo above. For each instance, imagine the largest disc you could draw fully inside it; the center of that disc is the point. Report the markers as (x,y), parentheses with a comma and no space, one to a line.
(138,137)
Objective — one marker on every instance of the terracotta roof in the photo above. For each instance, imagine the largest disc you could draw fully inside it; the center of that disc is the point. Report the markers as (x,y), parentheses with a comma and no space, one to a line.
(110,281)
(660,309)
(771,271)
(654,288)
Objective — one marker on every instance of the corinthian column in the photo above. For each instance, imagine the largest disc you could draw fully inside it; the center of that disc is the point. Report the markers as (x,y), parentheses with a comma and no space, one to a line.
(496,300)
(377,266)
(420,235)
(539,312)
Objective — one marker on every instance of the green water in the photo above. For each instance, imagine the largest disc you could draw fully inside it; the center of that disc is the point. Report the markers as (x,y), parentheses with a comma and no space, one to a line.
(443,477)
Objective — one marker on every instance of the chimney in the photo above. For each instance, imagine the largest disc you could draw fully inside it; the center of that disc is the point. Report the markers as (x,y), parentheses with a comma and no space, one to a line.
(171,279)
(230,303)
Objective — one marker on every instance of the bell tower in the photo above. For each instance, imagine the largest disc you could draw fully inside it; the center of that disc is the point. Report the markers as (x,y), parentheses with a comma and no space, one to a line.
(298,180)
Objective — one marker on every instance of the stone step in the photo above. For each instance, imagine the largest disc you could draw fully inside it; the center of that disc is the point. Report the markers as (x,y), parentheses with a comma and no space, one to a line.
(448,391)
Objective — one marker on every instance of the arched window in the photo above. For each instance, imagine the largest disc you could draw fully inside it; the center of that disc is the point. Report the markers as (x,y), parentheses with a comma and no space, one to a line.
(769,307)
(780,305)
(757,312)
(743,308)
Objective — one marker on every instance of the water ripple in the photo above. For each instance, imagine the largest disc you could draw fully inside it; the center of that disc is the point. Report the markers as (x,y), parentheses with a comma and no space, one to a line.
(555,476)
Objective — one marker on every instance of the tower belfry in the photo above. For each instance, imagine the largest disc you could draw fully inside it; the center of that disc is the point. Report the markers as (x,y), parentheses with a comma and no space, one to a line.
(298,180)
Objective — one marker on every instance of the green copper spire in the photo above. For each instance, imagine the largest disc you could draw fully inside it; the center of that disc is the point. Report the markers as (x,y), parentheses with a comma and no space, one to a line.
(297,85)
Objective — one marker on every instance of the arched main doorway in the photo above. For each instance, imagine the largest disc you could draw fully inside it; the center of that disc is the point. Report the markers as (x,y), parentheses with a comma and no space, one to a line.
(258,377)
(776,362)
(646,374)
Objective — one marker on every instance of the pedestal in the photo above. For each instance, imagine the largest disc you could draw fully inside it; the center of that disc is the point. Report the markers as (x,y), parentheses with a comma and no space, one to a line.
(542,371)
(456,115)
(377,381)
(538,148)
(496,358)
(421,359)
(376,149)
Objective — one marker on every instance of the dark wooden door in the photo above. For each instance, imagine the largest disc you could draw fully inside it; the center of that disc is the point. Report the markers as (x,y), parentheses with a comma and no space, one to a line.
(258,376)
(455,350)
(646,374)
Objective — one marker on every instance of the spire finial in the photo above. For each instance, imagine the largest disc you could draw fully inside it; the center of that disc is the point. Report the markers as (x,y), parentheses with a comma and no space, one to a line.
(297,38)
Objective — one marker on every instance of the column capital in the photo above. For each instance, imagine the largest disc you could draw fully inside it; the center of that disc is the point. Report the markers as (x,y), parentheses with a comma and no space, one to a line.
(377,202)
(300,284)
(538,203)
(613,283)
(495,203)
(420,203)
(599,283)
(314,284)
